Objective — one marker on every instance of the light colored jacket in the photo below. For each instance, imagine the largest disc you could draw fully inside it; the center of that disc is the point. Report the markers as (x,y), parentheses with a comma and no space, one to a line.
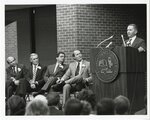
(70,77)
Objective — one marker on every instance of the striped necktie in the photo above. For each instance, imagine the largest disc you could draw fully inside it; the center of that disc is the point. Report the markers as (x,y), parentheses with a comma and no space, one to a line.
(13,68)
(34,73)
(56,67)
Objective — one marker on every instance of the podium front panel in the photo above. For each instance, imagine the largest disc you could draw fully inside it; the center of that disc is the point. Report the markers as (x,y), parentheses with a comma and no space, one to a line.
(130,80)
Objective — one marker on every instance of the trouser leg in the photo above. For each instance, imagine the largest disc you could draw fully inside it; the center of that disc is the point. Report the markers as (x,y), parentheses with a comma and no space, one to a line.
(66,92)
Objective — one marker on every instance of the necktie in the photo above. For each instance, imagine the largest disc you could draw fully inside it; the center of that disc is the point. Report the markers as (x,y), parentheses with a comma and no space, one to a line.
(56,67)
(13,68)
(77,69)
(129,42)
(34,73)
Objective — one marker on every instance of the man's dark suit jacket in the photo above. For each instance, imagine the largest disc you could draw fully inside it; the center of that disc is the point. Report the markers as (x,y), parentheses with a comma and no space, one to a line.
(54,111)
(138,42)
(50,76)
(39,76)
(20,75)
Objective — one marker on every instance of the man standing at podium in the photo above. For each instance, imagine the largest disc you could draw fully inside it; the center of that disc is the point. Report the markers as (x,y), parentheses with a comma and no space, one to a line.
(133,40)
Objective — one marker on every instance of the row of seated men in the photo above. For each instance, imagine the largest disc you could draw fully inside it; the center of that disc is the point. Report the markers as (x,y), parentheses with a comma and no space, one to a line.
(83,104)
(41,79)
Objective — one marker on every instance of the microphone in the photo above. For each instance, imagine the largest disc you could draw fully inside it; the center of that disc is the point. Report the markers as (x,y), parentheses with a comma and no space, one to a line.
(123,40)
(109,45)
(105,40)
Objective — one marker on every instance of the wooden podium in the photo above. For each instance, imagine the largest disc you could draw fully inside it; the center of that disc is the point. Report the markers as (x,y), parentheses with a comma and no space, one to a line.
(131,78)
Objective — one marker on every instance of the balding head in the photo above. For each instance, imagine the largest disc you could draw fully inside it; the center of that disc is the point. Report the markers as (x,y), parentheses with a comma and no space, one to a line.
(77,55)
(131,30)
(11,60)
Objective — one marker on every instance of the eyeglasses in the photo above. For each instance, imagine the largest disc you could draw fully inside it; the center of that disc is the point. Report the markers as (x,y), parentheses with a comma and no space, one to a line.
(11,62)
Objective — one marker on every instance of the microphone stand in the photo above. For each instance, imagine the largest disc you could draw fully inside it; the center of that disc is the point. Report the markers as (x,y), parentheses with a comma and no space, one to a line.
(105,40)
(108,45)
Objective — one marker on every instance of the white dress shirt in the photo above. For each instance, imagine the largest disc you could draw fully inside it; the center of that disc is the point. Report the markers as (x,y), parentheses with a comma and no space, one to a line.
(133,38)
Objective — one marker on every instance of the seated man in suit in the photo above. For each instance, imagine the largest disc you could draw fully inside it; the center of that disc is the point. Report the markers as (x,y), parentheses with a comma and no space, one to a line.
(133,40)
(76,76)
(35,74)
(16,75)
(54,72)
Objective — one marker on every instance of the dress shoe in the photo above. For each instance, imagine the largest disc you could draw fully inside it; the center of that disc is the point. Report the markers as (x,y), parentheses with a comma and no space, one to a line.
(58,87)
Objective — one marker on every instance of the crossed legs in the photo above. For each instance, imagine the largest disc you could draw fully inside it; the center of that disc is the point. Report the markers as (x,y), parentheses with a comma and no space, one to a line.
(71,88)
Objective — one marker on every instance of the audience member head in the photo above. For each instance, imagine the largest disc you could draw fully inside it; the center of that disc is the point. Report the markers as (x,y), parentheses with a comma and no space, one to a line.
(73,107)
(86,108)
(37,107)
(53,98)
(60,57)
(42,98)
(34,59)
(11,61)
(87,95)
(105,107)
(122,105)
(131,30)
(16,105)
(77,56)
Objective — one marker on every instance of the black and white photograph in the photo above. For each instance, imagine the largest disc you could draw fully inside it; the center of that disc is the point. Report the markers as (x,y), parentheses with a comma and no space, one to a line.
(87,60)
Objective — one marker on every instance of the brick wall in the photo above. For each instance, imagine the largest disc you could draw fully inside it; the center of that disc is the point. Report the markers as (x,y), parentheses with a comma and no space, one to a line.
(83,27)
(66,29)
(11,40)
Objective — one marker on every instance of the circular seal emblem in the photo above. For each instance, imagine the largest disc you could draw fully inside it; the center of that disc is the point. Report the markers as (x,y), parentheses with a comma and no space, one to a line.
(107,65)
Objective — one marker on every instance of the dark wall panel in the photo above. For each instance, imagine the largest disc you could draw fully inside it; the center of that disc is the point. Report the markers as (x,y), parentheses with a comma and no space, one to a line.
(45,34)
